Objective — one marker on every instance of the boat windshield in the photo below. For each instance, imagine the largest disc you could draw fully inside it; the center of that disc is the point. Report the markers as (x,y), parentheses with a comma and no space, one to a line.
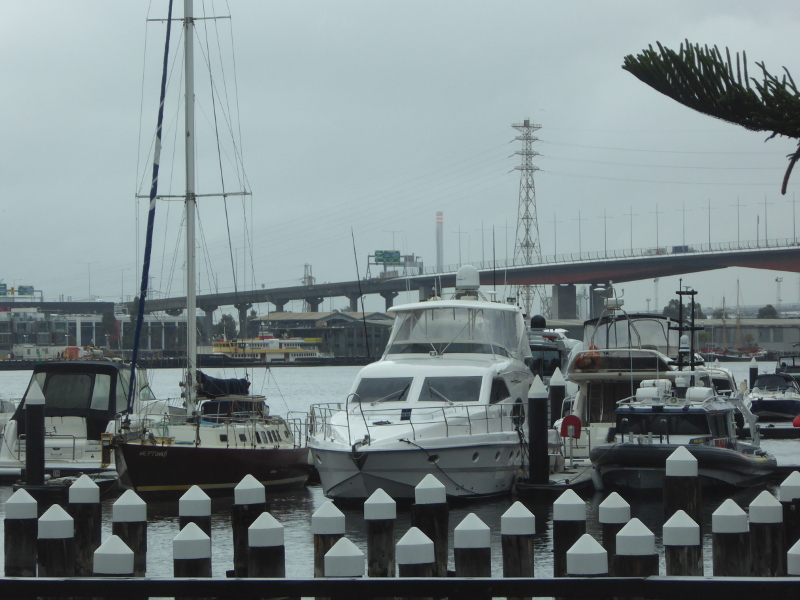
(772,383)
(639,332)
(451,389)
(75,391)
(382,389)
(459,330)
(663,424)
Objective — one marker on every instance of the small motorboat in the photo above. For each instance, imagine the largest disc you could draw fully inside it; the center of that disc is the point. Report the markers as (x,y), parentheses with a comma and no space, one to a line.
(775,396)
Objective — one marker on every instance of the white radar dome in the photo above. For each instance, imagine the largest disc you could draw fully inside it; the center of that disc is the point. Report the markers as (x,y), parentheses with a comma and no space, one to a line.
(468,278)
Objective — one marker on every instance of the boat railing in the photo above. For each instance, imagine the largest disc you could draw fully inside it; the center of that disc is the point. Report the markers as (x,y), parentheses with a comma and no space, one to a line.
(452,420)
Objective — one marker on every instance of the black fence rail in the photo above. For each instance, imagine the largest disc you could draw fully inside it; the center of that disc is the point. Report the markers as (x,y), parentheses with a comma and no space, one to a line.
(683,588)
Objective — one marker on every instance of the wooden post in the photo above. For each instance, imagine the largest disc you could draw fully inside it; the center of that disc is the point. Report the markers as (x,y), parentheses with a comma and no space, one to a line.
(730,538)
(517,534)
(191,552)
(344,559)
(569,524)
(415,556)
(267,554)
(113,559)
(539,467)
(682,489)
(431,515)
(380,512)
(85,509)
(20,531)
(249,502)
(636,551)
(34,435)
(753,372)
(327,526)
(793,560)
(129,523)
(682,546)
(789,496)
(614,513)
(587,558)
(558,391)
(55,546)
(472,551)
(767,538)
(195,507)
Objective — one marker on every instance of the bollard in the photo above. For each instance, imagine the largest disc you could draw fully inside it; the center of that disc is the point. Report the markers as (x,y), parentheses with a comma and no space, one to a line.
(195,507)
(85,509)
(767,538)
(344,559)
(539,459)
(753,372)
(20,531)
(415,556)
(431,515)
(636,551)
(380,512)
(793,560)
(327,526)
(517,535)
(682,489)
(789,496)
(730,538)
(55,546)
(682,546)
(569,524)
(34,435)
(129,524)
(113,559)
(266,556)
(614,513)
(557,393)
(249,502)
(191,552)
(587,558)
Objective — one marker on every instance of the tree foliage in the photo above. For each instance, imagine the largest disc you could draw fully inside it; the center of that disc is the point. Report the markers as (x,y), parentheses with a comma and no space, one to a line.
(768,312)
(702,79)
(225,327)
(671,310)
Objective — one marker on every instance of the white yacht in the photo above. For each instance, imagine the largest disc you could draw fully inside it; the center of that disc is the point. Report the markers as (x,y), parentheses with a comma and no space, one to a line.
(446,398)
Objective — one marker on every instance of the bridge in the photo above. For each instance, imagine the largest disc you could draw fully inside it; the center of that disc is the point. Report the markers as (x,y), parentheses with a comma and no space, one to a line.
(563,271)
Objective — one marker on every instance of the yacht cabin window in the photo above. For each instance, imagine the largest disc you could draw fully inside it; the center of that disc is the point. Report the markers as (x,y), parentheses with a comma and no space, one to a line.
(382,389)
(451,389)
(100,392)
(499,391)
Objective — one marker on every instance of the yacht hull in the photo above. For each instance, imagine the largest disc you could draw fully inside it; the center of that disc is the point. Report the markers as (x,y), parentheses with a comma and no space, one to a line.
(467,471)
(776,408)
(642,466)
(172,469)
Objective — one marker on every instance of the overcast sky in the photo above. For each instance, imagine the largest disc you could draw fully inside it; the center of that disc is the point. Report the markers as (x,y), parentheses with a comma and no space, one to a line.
(373,116)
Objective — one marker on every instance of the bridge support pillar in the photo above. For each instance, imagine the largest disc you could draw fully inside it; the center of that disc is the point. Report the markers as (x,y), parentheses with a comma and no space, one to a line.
(426,291)
(279,305)
(243,328)
(564,305)
(208,321)
(389,297)
(597,299)
(353,302)
(313,303)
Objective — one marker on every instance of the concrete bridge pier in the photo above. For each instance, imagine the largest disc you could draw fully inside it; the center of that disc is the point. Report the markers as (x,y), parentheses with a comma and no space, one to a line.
(243,308)
(353,302)
(564,303)
(313,303)
(597,298)
(208,320)
(426,291)
(389,298)
(279,305)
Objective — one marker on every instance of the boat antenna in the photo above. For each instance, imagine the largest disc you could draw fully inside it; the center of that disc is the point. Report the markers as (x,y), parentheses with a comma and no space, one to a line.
(150,216)
(360,294)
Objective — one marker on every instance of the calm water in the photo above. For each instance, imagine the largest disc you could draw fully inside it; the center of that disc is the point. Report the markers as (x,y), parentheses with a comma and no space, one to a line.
(296,389)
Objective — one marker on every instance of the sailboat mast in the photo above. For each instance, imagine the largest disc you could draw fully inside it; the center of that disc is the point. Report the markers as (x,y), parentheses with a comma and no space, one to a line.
(191,320)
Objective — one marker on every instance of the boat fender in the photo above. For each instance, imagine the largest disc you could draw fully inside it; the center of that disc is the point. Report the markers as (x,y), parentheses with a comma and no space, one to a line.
(518,413)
